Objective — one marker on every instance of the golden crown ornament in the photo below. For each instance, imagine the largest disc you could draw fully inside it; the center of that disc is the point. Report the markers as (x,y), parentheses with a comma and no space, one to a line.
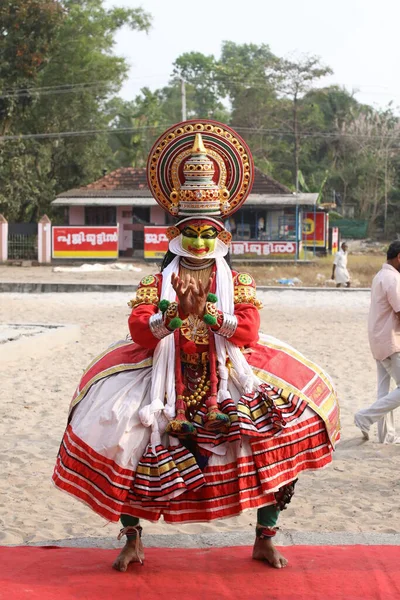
(200,168)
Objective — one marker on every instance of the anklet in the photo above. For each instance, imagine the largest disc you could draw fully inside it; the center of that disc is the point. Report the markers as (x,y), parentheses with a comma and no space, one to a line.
(131,531)
(265,532)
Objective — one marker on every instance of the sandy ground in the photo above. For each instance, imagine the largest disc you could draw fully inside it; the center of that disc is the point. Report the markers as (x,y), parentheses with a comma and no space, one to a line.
(362,268)
(48,274)
(358,493)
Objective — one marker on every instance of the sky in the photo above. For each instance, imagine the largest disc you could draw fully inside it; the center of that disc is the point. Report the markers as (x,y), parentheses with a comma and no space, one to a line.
(358,39)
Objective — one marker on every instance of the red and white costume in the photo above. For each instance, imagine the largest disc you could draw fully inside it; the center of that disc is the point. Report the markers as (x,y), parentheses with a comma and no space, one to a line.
(120,453)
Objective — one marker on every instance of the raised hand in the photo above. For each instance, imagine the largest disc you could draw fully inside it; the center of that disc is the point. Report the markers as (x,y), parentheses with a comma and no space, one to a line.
(199,295)
(183,289)
(192,295)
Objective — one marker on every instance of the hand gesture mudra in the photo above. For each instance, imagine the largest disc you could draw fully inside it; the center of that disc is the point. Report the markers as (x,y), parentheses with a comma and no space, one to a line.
(192,294)
(183,290)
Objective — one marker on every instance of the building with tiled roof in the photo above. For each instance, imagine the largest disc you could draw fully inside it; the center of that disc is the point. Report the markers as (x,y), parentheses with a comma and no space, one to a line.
(129,182)
(122,197)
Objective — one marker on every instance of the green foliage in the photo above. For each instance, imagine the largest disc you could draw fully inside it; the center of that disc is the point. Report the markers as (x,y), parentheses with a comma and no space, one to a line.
(142,118)
(28,29)
(294,78)
(243,67)
(24,192)
(199,72)
(68,56)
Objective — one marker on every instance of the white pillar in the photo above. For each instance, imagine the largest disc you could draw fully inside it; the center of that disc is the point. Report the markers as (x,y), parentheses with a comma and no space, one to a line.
(44,240)
(3,239)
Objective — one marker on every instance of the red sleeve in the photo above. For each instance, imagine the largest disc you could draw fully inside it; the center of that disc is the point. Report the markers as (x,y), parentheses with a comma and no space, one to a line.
(139,325)
(144,306)
(248,325)
(246,311)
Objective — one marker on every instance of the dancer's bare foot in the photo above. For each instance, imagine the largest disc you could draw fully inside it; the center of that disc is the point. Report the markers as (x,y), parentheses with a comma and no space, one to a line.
(131,552)
(264,549)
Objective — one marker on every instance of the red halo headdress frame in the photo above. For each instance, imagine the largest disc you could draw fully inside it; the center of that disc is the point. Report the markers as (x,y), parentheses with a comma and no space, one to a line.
(201,168)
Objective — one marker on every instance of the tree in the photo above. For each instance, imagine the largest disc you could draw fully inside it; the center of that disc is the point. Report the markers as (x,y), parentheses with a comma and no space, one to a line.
(333,110)
(293,79)
(199,72)
(243,76)
(147,116)
(23,191)
(242,67)
(74,86)
(377,136)
(143,118)
(27,33)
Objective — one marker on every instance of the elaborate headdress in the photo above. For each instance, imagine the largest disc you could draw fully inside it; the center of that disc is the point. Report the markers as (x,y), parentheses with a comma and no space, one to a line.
(200,168)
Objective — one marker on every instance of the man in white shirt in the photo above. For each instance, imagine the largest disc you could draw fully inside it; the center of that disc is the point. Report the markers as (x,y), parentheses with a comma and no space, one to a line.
(384,340)
(339,269)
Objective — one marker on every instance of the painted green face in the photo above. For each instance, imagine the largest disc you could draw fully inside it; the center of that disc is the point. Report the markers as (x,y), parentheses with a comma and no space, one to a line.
(199,240)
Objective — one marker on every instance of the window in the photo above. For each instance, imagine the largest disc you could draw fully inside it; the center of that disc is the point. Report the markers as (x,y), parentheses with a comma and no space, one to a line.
(100,215)
(141,215)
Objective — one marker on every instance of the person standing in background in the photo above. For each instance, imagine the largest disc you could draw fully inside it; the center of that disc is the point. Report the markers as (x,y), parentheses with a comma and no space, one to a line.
(384,340)
(340,273)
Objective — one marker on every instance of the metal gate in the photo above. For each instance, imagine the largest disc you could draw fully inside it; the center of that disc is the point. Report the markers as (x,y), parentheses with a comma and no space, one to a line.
(22,241)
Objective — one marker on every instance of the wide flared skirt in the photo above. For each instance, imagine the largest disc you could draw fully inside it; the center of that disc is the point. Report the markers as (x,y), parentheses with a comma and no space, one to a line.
(106,458)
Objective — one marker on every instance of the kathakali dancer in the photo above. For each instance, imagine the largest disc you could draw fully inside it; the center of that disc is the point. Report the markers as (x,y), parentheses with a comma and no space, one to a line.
(196,416)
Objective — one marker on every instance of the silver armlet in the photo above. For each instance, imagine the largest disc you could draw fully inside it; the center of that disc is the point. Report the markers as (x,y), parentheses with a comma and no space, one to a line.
(157,327)
(228,327)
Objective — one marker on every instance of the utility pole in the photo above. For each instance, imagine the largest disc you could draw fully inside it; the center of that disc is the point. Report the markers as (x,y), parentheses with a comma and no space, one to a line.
(183,97)
(296,143)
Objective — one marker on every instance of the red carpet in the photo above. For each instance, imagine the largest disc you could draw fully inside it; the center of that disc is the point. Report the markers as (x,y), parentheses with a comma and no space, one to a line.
(323,572)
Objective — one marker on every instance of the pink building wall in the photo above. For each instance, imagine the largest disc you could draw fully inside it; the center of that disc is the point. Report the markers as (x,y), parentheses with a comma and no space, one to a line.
(76,215)
(124,216)
(157,215)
